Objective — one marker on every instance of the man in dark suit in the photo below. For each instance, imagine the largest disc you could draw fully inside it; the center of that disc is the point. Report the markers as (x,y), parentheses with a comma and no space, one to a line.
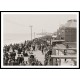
(18,59)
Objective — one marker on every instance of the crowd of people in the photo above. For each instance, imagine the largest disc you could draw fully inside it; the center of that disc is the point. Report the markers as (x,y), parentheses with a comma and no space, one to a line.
(22,53)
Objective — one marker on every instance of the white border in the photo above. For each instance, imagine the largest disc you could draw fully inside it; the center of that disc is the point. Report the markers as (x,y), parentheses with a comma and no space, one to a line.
(39,13)
(2,14)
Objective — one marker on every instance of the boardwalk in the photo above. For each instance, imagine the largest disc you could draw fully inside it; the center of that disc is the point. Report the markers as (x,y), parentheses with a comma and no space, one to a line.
(38,54)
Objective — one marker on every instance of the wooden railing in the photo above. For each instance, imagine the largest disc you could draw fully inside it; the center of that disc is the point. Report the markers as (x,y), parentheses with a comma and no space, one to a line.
(64,56)
(65,48)
(55,56)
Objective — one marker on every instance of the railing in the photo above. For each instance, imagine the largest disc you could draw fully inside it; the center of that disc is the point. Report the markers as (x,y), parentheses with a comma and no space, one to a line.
(64,56)
(56,57)
(65,48)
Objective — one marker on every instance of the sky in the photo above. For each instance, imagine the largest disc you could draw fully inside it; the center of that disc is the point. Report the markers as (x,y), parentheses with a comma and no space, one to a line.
(20,23)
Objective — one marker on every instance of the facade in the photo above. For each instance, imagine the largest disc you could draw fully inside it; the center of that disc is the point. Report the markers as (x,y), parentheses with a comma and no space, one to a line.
(67,32)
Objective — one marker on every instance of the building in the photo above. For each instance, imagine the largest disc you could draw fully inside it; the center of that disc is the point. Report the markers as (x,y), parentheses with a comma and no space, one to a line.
(67,32)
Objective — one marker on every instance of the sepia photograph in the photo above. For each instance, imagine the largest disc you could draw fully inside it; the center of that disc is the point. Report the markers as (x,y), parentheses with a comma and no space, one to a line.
(39,39)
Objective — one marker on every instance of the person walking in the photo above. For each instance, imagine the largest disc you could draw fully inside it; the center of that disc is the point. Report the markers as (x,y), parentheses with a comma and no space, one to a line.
(65,54)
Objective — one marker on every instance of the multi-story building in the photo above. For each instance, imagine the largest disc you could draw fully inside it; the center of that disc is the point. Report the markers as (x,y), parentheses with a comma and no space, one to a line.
(68,31)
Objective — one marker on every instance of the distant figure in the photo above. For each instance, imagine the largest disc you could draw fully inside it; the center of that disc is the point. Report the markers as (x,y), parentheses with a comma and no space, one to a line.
(65,53)
(15,62)
(42,48)
(18,59)
(21,59)
(19,50)
(67,46)
(31,60)
(10,50)
(23,63)
(25,54)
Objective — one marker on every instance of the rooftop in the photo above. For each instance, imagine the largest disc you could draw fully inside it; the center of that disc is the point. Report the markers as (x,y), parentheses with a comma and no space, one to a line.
(71,23)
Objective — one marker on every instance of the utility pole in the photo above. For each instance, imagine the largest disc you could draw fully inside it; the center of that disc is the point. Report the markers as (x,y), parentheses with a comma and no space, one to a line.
(31,32)
(42,32)
(34,35)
